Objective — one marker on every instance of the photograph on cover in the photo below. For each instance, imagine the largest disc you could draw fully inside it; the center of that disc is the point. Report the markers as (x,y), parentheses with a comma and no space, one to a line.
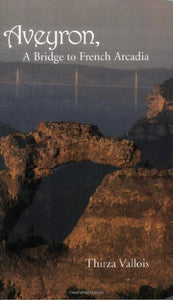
(86,143)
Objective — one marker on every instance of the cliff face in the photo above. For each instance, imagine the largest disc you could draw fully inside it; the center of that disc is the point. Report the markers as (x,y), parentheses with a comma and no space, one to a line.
(161,100)
(159,121)
(155,103)
(152,130)
(129,216)
(128,220)
(4,131)
(154,134)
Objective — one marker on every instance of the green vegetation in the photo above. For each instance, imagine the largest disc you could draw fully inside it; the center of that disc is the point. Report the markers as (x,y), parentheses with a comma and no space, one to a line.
(148,292)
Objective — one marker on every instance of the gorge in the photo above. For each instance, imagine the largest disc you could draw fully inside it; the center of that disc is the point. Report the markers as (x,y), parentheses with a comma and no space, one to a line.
(128,216)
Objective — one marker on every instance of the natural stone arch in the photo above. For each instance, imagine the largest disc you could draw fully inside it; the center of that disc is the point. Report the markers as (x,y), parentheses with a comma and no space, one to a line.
(31,156)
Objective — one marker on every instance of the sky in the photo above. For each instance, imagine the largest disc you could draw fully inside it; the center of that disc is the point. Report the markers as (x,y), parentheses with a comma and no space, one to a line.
(127,26)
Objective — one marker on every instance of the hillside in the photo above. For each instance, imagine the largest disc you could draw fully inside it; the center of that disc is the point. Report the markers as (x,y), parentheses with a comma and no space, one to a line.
(65,74)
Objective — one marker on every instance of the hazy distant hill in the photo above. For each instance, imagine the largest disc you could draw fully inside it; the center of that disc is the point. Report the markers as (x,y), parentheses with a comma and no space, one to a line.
(65,74)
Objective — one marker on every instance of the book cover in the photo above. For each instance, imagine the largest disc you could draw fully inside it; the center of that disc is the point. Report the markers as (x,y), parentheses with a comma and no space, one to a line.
(86,143)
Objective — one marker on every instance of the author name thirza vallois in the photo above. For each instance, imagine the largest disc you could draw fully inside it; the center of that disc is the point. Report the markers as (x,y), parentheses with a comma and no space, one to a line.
(120,262)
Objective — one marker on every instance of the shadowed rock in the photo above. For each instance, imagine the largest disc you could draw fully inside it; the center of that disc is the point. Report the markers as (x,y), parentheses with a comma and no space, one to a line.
(129,217)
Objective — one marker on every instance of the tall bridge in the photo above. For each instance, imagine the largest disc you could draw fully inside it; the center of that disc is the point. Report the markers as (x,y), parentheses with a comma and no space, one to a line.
(134,81)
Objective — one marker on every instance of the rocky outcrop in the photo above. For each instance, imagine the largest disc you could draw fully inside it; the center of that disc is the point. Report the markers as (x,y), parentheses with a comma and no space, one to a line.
(154,134)
(4,131)
(157,128)
(128,219)
(127,222)
(35,154)
(29,157)
(159,121)
(156,103)
(161,100)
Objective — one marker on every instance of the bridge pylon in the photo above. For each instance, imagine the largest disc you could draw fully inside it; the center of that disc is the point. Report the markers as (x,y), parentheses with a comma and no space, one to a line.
(136,80)
(136,85)
(17,81)
(17,76)
(76,87)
